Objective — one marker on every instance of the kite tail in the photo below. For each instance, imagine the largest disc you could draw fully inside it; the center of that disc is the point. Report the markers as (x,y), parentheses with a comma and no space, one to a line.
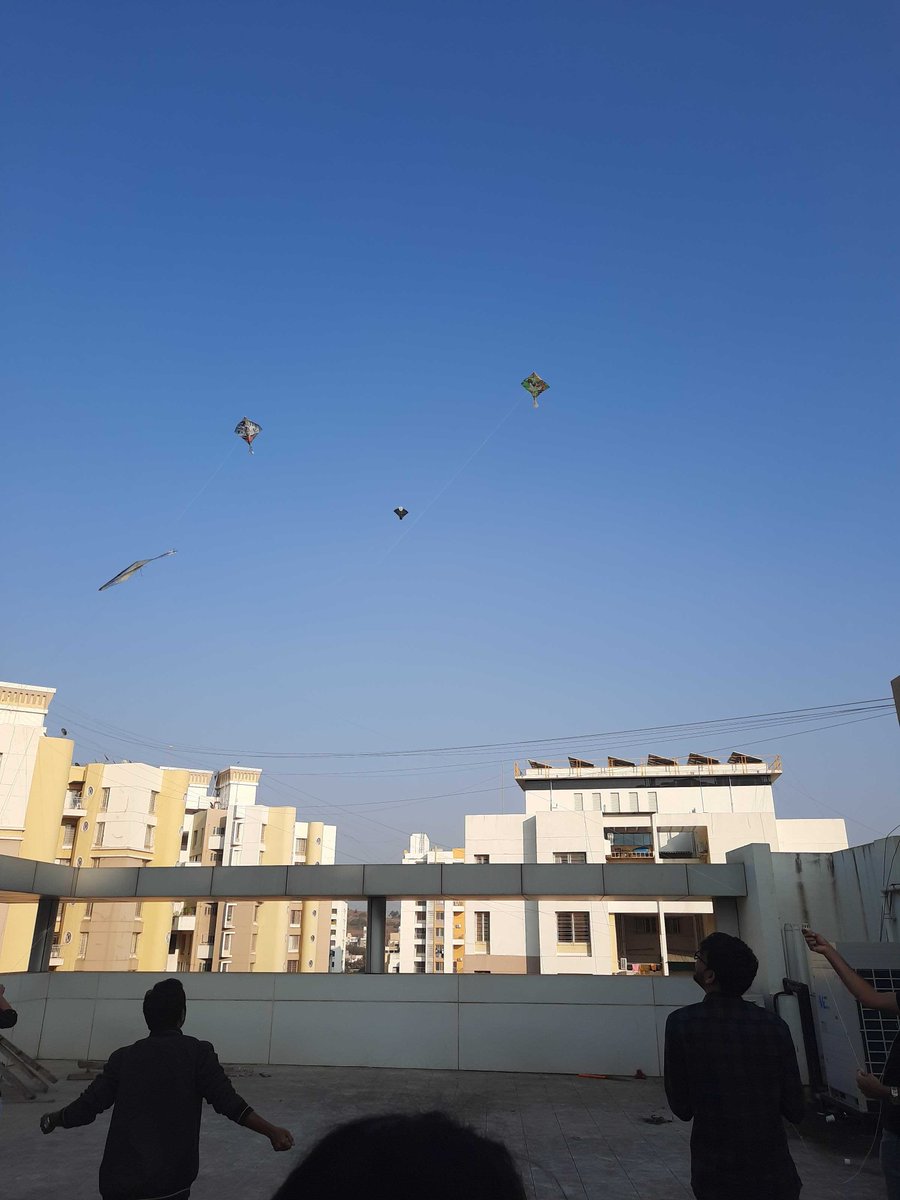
(534,402)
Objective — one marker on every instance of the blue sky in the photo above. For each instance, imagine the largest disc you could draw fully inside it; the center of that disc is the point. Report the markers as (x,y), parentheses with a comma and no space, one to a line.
(362,227)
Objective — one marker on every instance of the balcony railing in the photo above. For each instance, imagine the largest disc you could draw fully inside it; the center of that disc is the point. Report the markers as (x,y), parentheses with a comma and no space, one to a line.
(205,950)
(629,854)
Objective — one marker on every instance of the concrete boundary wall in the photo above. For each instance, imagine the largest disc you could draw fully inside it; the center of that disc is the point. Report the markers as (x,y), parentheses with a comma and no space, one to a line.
(557,1024)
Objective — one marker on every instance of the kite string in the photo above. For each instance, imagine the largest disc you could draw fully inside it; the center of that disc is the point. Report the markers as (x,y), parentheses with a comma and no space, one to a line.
(198,494)
(453,478)
(409,528)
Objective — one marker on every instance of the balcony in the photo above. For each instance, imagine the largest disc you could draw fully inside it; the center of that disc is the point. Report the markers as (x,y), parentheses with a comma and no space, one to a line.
(186,922)
(73,805)
(205,951)
(630,854)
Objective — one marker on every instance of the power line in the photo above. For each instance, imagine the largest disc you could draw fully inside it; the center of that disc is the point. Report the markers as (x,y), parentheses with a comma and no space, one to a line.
(645,733)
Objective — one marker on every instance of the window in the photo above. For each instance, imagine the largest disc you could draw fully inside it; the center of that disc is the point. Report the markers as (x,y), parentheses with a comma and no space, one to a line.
(184,840)
(569,856)
(99,832)
(89,910)
(235,856)
(154,796)
(612,802)
(293,967)
(216,857)
(651,801)
(632,805)
(237,834)
(224,967)
(482,931)
(226,943)
(673,925)
(253,937)
(68,837)
(149,837)
(135,942)
(95,862)
(295,916)
(82,946)
(640,840)
(573,929)
(579,801)
(300,846)
(595,801)
(482,859)
(293,943)
(205,964)
(104,800)
(229,914)
(139,910)
(419,968)
(647,924)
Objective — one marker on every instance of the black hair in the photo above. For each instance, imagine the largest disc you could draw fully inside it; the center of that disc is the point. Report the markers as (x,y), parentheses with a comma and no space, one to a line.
(424,1154)
(733,961)
(164,1005)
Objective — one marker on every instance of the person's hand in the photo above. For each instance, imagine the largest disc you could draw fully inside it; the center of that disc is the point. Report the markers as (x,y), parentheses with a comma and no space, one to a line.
(49,1122)
(281,1139)
(816,942)
(871,1086)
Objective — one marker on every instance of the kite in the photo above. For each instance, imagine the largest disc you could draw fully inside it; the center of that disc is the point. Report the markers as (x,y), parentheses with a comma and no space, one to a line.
(535,385)
(401,512)
(129,571)
(248,430)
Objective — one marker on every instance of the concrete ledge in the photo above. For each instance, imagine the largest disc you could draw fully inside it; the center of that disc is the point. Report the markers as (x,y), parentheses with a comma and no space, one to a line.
(23,879)
(97,883)
(344,883)
(550,880)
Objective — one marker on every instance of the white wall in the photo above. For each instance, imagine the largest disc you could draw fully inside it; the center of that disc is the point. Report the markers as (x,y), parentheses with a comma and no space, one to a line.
(596,1025)
(18,746)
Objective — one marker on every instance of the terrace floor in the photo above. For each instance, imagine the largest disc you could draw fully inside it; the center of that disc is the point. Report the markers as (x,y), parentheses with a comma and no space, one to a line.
(583,1139)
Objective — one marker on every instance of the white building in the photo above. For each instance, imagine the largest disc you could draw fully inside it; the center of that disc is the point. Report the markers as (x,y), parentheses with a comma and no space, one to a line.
(431,931)
(654,812)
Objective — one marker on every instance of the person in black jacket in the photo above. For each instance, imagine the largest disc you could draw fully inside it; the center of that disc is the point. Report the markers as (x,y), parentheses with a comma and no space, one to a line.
(157,1087)
(732,1066)
(8,1015)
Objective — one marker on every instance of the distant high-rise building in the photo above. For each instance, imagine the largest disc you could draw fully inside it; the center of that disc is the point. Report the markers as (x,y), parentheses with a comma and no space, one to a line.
(133,814)
(432,932)
(660,811)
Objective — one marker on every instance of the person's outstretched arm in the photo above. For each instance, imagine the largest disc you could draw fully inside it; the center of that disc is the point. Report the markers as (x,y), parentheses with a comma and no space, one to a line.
(216,1088)
(676,1073)
(8,1015)
(855,984)
(96,1098)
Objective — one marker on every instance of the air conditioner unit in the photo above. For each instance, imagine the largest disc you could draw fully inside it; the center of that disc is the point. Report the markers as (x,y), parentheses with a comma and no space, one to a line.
(849,1034)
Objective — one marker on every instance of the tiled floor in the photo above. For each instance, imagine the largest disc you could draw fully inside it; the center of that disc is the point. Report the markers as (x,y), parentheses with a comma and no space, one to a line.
(583,1139)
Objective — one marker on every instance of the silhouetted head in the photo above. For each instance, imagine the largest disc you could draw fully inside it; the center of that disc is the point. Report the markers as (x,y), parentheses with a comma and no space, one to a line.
(406,1157)
(165,1005)
(725,964)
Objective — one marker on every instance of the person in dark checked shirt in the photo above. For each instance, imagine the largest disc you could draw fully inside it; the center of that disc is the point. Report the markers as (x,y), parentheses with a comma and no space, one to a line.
(732,1067)
(157,1087)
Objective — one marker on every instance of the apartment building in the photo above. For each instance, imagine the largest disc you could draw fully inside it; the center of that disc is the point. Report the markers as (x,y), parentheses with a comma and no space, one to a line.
(134,814)
(658,811)
(34,770)
(432,932)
